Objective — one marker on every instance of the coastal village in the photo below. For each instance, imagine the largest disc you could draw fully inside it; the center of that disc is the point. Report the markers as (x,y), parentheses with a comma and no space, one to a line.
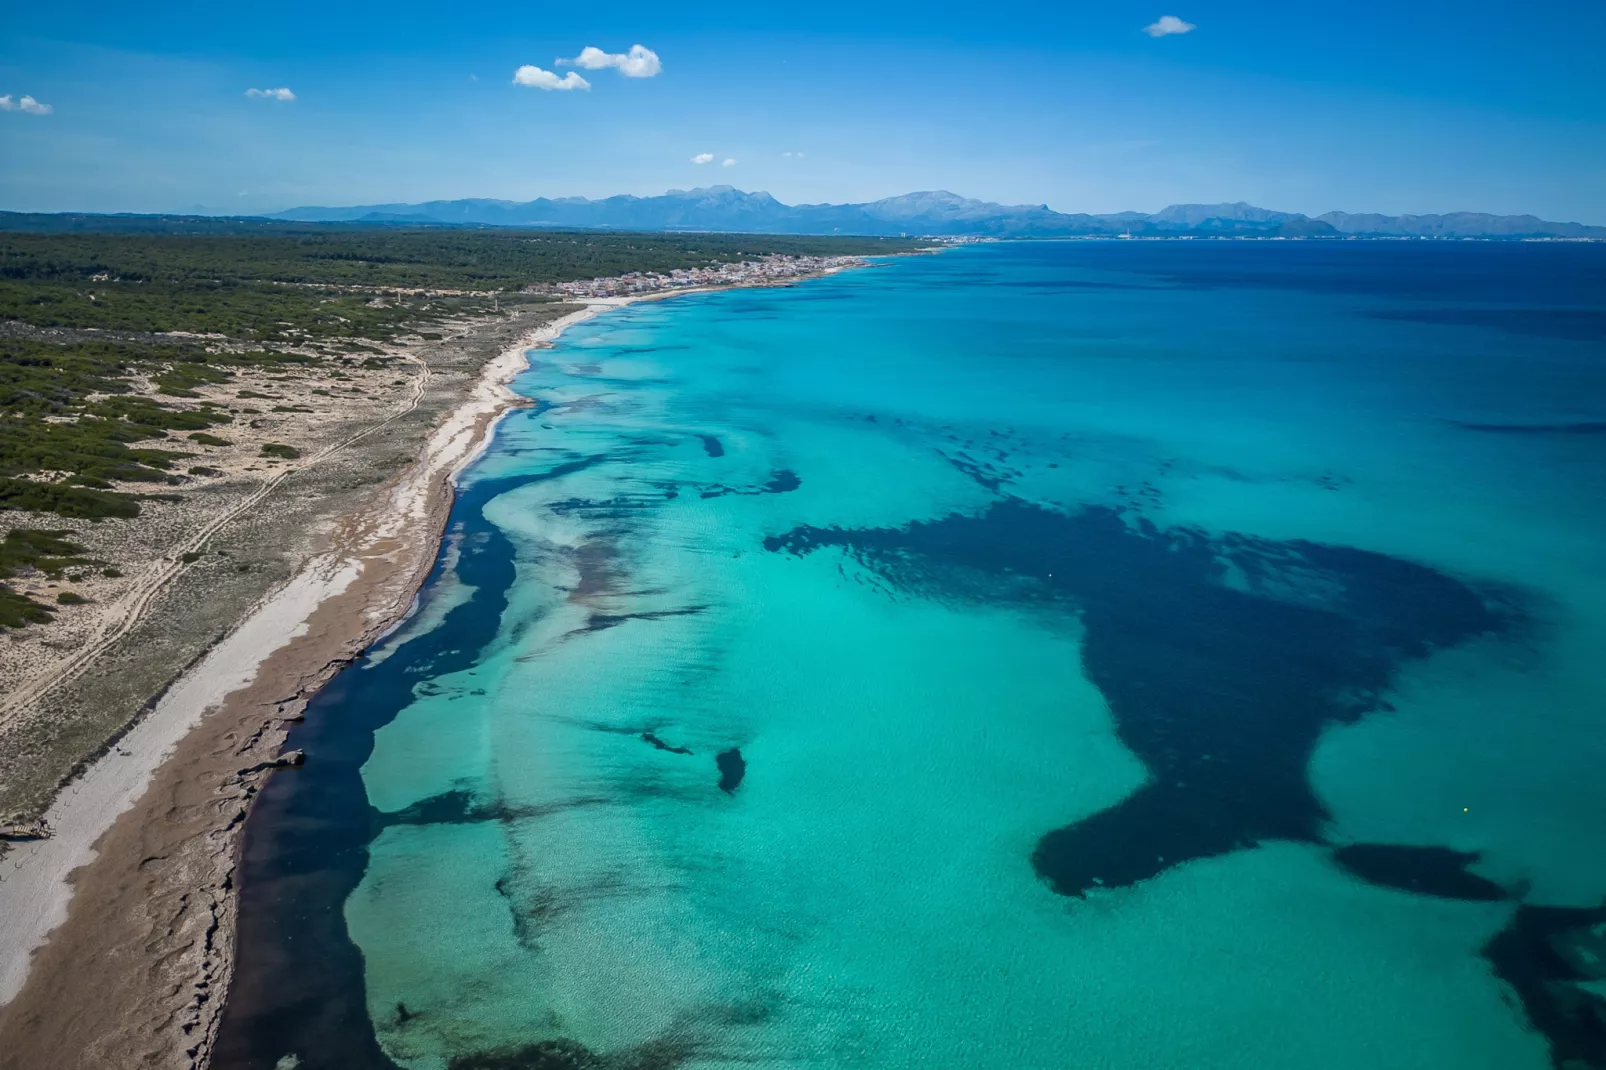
(765,271)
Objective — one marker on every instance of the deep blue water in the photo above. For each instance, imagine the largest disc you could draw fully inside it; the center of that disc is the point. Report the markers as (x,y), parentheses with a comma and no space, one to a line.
(1090,654)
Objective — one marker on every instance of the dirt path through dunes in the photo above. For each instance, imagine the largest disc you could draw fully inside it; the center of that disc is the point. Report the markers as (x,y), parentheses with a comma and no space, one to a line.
(145,590)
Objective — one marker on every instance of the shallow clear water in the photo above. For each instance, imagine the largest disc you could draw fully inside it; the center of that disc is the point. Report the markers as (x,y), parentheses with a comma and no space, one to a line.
(1041,655)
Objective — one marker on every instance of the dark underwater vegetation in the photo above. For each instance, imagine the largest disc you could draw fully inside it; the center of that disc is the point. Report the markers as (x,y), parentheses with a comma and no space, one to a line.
(1056,654)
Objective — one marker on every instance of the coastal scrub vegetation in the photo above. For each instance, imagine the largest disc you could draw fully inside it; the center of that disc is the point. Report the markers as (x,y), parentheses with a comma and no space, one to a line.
(70,421)
(113,329)
(48,552)
(323,281)
(98,313)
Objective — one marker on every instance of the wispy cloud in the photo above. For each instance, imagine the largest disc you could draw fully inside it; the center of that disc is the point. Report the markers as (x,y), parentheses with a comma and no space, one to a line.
(26,104)
(791,155)
(271,94)
(639,62)
(1166,25)
(703,157)
(729,161)
(536,78)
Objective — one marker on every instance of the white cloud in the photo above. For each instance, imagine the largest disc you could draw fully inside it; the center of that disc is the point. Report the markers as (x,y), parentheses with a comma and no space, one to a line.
(703,157)
(271,94)
(791,155)
(26,104)
(728,161)
(1166,25)
(639,62)
(536,78)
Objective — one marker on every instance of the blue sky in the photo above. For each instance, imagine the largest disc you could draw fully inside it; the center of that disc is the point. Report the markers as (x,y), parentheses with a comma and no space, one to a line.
(1407,106)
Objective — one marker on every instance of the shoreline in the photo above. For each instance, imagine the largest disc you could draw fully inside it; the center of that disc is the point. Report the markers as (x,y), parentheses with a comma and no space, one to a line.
(338,602)
(194,752)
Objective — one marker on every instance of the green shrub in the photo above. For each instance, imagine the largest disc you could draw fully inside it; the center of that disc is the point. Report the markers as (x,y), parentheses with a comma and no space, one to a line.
(47,551)
(78,502)
(280,450)
(18,610)
(181,379)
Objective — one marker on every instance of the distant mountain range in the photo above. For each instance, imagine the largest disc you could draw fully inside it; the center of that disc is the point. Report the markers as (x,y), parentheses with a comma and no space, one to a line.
(724,208)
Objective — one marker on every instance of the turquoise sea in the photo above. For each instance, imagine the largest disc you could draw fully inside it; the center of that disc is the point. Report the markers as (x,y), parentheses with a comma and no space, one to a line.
(1048,655)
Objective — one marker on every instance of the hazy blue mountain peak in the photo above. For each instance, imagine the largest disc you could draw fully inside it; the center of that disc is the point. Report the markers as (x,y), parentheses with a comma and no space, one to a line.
(935,212)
